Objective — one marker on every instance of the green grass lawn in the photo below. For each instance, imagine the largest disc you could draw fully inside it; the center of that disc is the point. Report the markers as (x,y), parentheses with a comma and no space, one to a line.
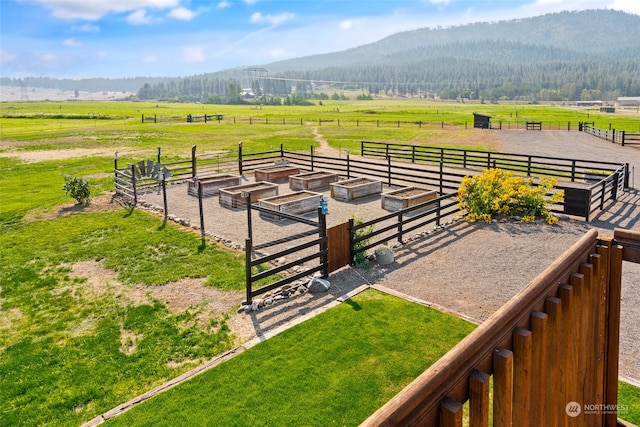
(61,338)
(334,369)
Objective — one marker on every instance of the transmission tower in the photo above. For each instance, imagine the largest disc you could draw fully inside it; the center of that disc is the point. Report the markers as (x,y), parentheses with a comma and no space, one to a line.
(256,79)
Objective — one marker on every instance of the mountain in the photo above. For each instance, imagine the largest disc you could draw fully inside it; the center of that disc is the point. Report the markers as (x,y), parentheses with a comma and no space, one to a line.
(586,32)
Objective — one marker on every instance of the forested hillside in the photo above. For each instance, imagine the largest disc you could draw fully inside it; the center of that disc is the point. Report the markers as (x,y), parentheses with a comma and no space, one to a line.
(564,56)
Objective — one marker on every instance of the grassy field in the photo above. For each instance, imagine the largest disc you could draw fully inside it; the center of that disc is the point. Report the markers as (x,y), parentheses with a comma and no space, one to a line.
(72,347)
(334,369)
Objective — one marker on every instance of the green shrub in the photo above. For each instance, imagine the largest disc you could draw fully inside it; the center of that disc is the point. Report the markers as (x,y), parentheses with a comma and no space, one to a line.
(78,188)
(498,192)
(359,254)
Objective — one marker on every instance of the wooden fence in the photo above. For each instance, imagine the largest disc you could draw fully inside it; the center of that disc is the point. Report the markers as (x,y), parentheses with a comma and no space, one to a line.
(550,355)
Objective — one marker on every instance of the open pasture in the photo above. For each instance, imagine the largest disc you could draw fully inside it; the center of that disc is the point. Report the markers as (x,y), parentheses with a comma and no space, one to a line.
(81,288)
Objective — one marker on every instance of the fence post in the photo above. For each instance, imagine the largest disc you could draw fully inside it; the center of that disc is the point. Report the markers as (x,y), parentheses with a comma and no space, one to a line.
(201,210)
(351,238)
(240,157)
(247,269)
(143,118)
(193,162)
(400,226)
(133,184)
(159,153)
(413,154)
(164,198)
(528,165)
(622,140)
(573,170)
(115,160)
(281,152)
(348,165)
(389,171)
(324,260)
(312,158)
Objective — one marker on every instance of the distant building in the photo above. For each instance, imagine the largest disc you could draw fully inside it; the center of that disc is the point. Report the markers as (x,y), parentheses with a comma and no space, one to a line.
(481,121)
(628,101)
(589,103)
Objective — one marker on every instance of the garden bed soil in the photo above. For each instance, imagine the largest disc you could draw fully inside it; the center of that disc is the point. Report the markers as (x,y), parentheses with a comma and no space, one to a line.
(231,197)
(355,188)
(311,180)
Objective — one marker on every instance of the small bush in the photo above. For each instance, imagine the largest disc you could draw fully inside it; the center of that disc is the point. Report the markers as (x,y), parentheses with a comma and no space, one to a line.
(498,192)
(78,188)
(359,254)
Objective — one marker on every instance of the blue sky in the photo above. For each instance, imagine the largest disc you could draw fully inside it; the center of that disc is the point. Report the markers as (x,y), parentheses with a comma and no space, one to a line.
(127,38)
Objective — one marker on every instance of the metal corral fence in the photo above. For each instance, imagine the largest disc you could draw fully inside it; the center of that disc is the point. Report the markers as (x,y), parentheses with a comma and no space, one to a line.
(551,349)
(588,185)
(616,136)
(515,124)
(134,177)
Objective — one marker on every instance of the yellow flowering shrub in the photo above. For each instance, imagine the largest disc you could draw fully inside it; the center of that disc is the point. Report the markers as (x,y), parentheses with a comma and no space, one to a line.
(498,192)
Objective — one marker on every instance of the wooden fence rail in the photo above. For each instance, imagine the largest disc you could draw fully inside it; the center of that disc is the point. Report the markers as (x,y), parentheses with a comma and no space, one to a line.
(552,351)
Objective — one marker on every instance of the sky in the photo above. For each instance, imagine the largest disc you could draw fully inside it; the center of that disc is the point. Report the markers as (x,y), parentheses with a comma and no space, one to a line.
(178,38)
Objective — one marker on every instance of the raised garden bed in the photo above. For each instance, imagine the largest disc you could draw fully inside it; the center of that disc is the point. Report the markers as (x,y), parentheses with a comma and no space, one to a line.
(405,197)
(231,197)
(355,188)
(297,203)
(212,184)
(275,173)
(311,180)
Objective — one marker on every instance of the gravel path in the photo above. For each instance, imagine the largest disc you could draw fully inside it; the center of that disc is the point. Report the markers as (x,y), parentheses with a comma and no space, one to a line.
(499,259)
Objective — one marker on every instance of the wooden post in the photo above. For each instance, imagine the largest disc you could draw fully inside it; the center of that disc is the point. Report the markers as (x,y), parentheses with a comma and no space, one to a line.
(133,184)
(248,248)
(201,210)
(502,388)
(450,413)
(568,358)
(322,231)
(479,399)
(522,340)
(613,332)
(388,171)
(194,171)
(555,363)
(539,367)
(240,171)
(164,198)
(312,158)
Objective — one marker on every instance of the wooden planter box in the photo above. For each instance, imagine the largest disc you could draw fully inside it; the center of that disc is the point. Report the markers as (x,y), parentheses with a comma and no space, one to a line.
(405,197)
(355,188)
(212,184)
(275,173)
(231,197)
(311,180)
(297,203)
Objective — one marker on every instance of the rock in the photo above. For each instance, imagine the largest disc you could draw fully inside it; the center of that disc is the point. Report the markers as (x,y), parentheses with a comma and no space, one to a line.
(384,255)
(317,285)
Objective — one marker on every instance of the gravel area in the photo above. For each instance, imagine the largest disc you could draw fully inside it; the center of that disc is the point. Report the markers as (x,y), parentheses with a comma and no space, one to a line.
(499,259)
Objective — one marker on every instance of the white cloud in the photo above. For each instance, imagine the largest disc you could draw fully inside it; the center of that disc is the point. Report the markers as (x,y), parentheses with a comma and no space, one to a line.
(6,56)
(347,24)
(223,5)
(139,17)
(150,59)
(193,54)
(182,14)
(251,1)
(86,28)
(92,10)
(277,53)
(272,19)
(71,42)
